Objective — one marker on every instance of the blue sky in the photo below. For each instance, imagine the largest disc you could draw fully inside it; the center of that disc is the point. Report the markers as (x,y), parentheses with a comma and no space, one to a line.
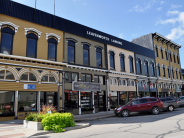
(127,19)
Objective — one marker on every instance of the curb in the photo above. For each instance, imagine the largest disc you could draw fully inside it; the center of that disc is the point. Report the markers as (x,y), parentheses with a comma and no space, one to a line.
(90,119)
(77,126)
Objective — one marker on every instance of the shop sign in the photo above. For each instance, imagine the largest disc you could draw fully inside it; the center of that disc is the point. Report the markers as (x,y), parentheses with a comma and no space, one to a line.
(29,86)
(178,90)
(165,90)
(86,86)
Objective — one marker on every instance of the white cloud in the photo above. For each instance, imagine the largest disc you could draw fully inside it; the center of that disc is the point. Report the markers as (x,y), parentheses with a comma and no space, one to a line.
(173,21)
(162,2)
(134,35)
(175,6)
(176,33)
(172,13)
(121,35)
(138,8)
(159,9)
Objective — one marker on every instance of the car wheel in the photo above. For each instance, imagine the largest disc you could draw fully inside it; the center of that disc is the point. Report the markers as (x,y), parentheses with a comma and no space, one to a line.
(125,113)
(155,110)
(170,108)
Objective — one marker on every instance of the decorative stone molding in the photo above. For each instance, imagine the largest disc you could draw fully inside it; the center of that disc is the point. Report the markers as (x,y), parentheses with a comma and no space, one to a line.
(99,47)
(9,23)
(86,43)
(52,34)
(71,39)
(34,30)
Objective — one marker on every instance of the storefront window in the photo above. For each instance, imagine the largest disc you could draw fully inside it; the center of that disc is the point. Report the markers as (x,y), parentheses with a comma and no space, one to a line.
(101,80)
(48,78)
(6,102)
(131,96)
(28,76)
(7,75)
(74,76)
(147,94)
(71,99)
(123,98)
(113,99)
(27,101)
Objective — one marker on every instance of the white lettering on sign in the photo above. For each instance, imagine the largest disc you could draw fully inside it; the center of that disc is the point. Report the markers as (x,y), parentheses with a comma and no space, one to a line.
(103,37)
(25,86)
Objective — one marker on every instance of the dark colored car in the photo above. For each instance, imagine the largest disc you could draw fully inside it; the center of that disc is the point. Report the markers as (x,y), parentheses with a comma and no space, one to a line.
(169,103)
(181,101)
(144,104)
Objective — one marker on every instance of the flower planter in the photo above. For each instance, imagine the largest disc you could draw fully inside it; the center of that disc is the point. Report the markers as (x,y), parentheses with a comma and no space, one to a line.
(86,109)
(33,125)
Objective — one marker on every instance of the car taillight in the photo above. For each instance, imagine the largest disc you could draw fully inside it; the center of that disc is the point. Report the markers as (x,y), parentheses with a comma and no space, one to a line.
(161,102)
(177,102)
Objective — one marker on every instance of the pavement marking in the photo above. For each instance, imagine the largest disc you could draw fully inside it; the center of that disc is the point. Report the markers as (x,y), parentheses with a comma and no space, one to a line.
(13,135)
(6,130)
(10,125)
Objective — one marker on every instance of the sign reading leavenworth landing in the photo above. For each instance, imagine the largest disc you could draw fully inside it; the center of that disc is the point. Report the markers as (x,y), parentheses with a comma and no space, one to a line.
(86,86)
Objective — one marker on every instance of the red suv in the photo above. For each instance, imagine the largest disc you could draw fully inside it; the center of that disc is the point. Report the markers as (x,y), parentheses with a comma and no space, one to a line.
(144,104)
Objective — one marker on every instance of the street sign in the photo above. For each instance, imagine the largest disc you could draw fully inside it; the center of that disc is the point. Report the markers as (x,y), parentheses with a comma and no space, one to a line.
(29,86)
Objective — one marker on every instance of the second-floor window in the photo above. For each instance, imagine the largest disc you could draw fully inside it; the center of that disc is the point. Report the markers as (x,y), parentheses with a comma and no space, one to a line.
(170,57)
(122,62)
(139,66)
(85,54)
(178,59)
(168,72)
(6,40)
(166,56)
(131,64)
(52,49)
(71,51)
(161,52)
(176,74)
(98,57)
(158,69)
(174,58)
(163,71)
(112,65)
(173,73)
(31,45)
(146,66)
(152,69)
(156,51)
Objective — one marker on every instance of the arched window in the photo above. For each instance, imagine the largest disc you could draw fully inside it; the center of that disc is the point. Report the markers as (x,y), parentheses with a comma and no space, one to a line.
(86,54)
(114,82)
(176,73)
(71,51)
(139,71)
(166,55)
(48,78)
(180,74)
(32,38)
(168,72)
(131,64)
(7,34)
(112,65)
(156,50)
(158,69)
(146,67)
(152,69)
(6,75)
(163,67)
(122,62)
(28,76)
(52,48)
(174,57)
(110,81)
(132,83)
(98,57)
(161,52)
(178,59)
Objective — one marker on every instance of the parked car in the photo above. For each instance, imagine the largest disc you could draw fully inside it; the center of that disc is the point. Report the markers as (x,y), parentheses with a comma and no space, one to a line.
(169,103)
(144,104)
(181,101)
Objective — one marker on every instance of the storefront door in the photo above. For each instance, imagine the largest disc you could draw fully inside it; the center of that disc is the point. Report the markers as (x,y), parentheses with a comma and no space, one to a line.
(50,99)
(102,106)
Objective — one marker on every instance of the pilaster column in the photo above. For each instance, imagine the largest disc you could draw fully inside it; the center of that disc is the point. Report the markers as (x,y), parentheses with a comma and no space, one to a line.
(108,97)
(38,102)
(79,103)
(63,94)
(93,102)
(16,104)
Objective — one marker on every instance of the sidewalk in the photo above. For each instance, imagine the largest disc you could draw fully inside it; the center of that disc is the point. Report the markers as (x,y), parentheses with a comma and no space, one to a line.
(15,129)
(88,117)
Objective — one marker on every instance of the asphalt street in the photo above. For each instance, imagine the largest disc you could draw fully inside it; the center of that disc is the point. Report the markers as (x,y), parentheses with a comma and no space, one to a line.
(164,125)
